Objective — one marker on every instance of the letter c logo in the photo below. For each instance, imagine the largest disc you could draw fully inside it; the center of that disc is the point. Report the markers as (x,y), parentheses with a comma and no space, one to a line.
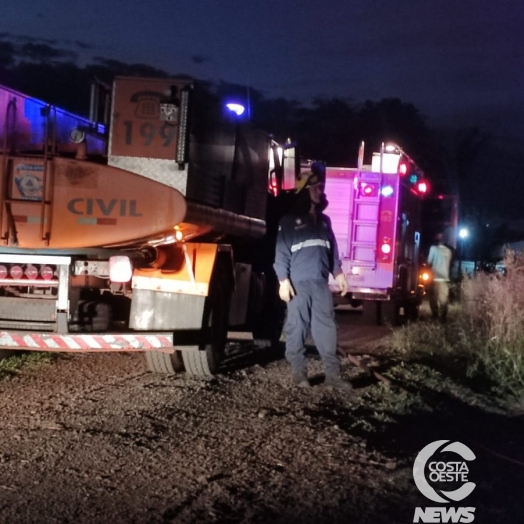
(420,464)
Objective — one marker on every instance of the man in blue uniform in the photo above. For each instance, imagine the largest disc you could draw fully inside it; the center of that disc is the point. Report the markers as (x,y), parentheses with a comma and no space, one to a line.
(306,253)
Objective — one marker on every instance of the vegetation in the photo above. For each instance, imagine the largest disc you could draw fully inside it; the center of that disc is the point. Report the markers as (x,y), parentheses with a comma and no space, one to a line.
(484,338)
(11,365)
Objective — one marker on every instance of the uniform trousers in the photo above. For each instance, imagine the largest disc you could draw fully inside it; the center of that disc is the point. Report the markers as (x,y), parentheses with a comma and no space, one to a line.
(311,307)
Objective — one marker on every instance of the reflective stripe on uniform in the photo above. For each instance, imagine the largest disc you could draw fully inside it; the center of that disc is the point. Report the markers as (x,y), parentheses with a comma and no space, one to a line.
(310,243)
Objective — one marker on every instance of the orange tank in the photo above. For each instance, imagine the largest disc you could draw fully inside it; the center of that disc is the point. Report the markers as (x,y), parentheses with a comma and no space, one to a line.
(85,205)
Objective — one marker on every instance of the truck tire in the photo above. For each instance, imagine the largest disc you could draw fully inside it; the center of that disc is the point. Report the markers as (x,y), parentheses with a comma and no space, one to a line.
(206,361)
(381,312)
(389,313)
(413,309)
(370,312)
(167,363)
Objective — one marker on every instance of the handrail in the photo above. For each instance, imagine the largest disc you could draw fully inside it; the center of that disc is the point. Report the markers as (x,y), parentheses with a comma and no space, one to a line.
(11,105)
(47,146)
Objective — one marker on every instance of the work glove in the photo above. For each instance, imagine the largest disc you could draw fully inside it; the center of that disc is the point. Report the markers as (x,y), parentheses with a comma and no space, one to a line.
(286,291)
(342,283)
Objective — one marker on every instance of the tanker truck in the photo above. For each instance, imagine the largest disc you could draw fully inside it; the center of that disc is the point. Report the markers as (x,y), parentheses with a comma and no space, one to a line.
(148,226)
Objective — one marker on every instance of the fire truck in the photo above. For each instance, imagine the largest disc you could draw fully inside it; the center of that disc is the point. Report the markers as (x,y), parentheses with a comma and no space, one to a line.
(376,216)
(146,227)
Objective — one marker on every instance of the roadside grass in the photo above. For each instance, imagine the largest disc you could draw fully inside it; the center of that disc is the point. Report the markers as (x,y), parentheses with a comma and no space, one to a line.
(484,337)
(13,365)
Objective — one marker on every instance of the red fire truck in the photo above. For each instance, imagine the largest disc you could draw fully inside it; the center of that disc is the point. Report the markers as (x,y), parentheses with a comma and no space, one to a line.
(376,214)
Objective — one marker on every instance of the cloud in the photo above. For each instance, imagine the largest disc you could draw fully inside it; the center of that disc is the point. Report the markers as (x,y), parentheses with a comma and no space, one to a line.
(82,45)
(44,52)
(25,45)
(200,59)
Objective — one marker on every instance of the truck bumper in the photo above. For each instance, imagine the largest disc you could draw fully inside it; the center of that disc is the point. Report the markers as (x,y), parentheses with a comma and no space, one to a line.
(82,343)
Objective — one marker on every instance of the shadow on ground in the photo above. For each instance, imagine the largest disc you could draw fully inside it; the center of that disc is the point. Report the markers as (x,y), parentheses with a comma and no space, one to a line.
(398,424)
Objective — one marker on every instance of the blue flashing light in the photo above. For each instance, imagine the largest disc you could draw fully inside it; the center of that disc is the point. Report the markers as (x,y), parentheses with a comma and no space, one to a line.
(413,179)
(387,191)
(236,108)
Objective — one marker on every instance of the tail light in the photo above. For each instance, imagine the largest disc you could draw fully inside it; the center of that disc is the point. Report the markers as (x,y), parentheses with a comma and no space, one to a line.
(120,269)
(31,272)
(422,188)
(28,274)
(46,272)
(385,250)
(16,272)
(425,276)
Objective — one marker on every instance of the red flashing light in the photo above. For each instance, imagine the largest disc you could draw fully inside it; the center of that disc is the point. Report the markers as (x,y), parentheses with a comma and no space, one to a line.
(3,272)
(368,190)
(403,169)
(422,188)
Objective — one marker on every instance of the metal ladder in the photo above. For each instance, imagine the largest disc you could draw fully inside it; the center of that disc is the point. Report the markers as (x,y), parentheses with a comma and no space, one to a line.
(8,232)
(365,218)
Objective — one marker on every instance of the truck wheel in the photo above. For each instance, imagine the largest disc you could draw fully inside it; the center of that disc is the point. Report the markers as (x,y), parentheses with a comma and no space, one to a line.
(167,363)
(413,311)
(389,313)
(370,312)
(205,362)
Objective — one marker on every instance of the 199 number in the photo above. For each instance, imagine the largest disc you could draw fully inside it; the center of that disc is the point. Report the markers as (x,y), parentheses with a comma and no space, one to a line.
(148,132)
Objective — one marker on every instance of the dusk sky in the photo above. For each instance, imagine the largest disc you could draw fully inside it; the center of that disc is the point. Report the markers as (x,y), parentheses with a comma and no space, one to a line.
(453,59)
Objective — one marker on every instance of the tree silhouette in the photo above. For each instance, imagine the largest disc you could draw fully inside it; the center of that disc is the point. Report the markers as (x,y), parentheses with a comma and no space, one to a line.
(456,161)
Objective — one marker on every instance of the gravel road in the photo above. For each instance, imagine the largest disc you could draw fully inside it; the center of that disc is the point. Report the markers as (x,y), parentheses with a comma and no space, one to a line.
(97,438)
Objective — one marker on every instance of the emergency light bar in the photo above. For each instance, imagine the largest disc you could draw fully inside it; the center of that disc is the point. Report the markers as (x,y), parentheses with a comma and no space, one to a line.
(390,163)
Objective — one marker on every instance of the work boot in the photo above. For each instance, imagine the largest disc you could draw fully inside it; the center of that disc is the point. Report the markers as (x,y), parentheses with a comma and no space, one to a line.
(300,380)
(335,382)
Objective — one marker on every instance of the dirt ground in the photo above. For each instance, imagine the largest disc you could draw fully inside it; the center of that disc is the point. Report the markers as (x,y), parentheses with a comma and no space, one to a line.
(97,438)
